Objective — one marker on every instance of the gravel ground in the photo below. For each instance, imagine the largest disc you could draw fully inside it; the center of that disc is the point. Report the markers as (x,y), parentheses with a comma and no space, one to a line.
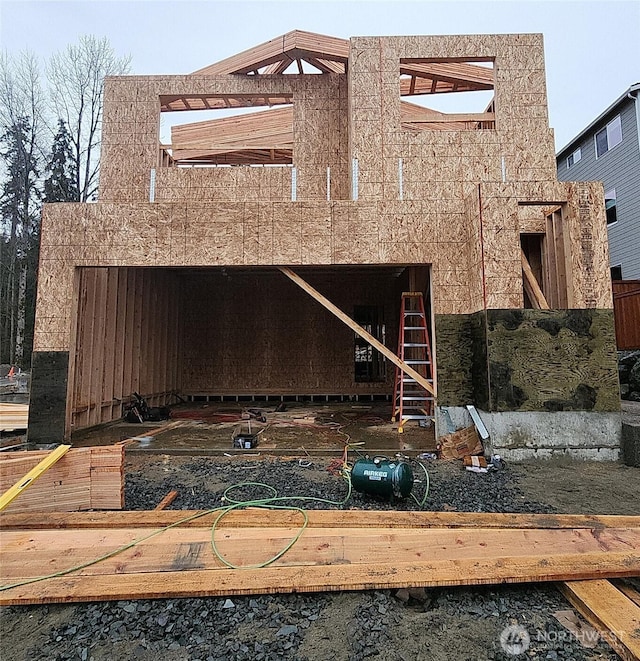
(439,624)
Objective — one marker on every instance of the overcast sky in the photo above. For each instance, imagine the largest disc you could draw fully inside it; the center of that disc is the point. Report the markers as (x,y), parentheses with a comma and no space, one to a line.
(592,48)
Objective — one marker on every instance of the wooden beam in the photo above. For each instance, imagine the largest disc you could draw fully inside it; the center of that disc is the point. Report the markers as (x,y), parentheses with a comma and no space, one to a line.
(531,285)
(255,517)
(166,501)
(322,560)
(456,117)
(615,616)
(356,328)
(457,73)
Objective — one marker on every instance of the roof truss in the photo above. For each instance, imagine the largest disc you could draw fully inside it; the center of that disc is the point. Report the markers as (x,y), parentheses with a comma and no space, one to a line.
(328,54)
(267,136)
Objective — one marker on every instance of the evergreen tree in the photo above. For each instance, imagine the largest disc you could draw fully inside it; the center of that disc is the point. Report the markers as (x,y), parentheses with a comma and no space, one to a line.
(19,217)
(61,182)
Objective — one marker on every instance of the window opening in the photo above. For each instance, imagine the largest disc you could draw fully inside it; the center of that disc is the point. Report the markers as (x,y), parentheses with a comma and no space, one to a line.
(616,272)
(446,95)
(369,364)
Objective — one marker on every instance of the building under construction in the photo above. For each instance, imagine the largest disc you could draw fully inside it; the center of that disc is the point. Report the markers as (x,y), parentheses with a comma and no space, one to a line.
(329,172)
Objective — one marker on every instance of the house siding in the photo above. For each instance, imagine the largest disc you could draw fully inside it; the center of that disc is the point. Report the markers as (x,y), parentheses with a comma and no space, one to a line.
(619,168)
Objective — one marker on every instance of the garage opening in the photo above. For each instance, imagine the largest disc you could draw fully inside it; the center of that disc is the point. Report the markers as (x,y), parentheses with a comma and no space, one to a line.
(201,334)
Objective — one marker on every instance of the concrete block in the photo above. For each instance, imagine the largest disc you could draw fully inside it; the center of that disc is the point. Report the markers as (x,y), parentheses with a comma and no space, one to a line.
(631,443)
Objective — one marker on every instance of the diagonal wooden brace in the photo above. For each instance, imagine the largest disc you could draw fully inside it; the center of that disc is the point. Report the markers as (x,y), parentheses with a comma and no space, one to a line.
(356,328)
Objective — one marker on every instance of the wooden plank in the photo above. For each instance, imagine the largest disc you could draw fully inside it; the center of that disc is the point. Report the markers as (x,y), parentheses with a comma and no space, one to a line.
(318,578)
(532,286)
(166,501)
(82,479)
(610,611)
(58,550)
(13,416)
(629,591)
(387,353)
(252,517)
(27,480)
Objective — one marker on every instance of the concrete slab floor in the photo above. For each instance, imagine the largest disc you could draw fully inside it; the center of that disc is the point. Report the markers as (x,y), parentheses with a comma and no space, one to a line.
(303,427)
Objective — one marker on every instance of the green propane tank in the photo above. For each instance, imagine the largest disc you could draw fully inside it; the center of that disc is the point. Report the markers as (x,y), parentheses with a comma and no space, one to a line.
(381,476)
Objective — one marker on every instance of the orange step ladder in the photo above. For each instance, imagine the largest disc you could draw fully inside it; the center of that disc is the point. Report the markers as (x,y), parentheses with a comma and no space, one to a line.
(411,400)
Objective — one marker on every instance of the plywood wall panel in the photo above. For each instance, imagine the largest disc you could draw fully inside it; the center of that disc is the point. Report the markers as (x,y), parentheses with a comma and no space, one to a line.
(273,338)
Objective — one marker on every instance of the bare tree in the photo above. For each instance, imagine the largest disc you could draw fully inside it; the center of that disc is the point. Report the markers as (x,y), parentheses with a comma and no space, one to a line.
(76,78)
(22,128)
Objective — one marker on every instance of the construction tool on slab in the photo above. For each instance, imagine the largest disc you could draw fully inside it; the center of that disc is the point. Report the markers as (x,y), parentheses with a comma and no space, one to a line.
(244,438)
(139,411)
(381,476)
(10,494)
(257,414)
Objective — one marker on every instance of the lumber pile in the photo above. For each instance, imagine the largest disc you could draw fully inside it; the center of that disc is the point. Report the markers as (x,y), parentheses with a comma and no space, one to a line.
(339,550)
(612,610)
(13,416)
(85,478)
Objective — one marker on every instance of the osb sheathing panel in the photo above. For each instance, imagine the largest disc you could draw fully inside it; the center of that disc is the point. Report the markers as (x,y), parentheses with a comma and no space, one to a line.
(259,333)
(584,216)
(320,136)
(240,184)
(521,139)
(130,140)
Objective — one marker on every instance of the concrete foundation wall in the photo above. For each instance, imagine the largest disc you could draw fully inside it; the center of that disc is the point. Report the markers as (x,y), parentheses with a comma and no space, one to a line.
(520,435)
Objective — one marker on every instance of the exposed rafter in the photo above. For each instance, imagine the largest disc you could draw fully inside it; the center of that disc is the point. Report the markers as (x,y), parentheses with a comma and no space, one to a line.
(264,137)
(273,54)
(267,136)
(178,103)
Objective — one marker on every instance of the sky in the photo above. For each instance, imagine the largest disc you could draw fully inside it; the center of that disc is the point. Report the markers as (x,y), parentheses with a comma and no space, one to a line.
(592,49)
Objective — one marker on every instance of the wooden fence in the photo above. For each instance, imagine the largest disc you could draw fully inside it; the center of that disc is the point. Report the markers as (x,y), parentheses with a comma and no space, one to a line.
(626,308)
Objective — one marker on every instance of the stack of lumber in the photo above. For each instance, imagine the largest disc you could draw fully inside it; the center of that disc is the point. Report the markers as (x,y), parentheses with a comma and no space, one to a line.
(85,478)
(613,609)
(339,550)
(13,416)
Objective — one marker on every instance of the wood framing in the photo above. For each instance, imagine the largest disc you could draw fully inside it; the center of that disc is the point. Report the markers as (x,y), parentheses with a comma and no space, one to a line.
(345,168)
(610,611)
(356,328)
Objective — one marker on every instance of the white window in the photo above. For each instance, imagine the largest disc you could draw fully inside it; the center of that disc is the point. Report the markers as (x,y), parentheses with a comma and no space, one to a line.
(608,137)
(574,158)
(610,204)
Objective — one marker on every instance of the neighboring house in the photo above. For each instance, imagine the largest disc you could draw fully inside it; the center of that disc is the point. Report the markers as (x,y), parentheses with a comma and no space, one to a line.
(171,284)
(608,150)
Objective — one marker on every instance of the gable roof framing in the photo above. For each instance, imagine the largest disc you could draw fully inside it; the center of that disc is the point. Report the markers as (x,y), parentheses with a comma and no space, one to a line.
(267,136)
